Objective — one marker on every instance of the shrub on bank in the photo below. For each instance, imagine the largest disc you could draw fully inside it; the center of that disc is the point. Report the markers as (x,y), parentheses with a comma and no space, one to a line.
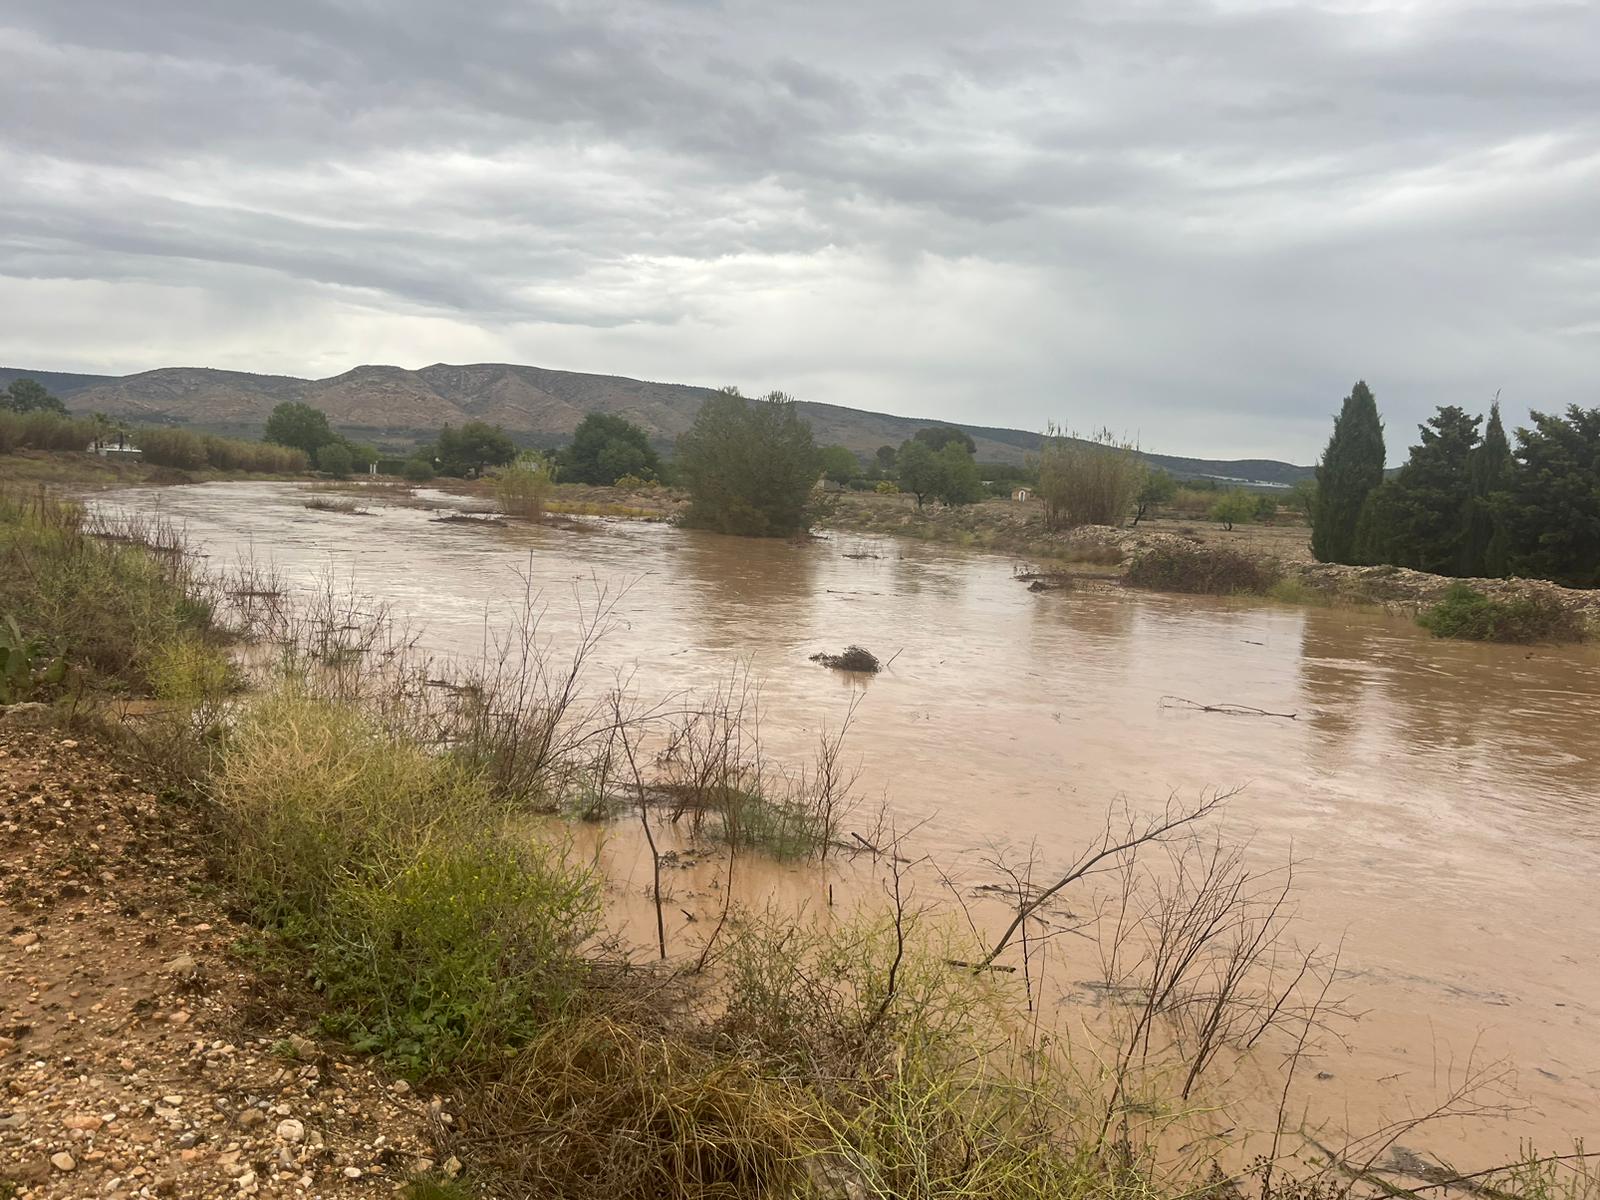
(1470,615)
(190,451)
(463,951)
(1202,570)
(101,595)
(43,431)
(438,942)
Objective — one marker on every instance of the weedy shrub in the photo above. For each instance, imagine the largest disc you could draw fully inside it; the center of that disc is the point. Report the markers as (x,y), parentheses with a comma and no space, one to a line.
(1088,481)
(311,788)
(459,954)
(1202,570)
(523,488)
(602,1108)
(43,431)
(1468,614)
(109,596)
(835,1000)
(27,667)
(189,451)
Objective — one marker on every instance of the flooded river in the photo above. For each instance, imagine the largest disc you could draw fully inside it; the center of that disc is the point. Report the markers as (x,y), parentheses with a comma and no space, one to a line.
(1442,799)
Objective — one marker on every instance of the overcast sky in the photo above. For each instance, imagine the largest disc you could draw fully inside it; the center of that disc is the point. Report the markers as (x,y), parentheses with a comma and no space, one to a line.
(1196,223)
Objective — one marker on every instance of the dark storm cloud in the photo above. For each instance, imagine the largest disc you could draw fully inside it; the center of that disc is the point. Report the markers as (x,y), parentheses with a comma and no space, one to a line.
(1197,220)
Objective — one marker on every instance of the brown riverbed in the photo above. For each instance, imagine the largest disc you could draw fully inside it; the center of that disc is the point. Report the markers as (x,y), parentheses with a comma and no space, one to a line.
(1442,799)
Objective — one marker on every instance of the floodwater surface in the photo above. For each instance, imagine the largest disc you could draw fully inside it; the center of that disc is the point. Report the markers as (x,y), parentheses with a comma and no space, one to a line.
(1441,800)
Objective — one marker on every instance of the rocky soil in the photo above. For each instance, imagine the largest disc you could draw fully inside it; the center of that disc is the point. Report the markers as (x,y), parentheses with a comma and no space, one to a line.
(142,1053)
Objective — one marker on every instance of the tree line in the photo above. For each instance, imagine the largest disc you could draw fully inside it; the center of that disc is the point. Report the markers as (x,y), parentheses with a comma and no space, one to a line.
(1466,502)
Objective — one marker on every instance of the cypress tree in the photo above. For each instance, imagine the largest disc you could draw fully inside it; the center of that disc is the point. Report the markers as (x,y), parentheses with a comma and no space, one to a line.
(1351,467)
(1485,546)
(1421,525)
(1552,504)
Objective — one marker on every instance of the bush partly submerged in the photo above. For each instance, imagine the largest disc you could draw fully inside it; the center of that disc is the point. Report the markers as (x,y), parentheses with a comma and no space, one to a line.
(1202,570)
(1470,615)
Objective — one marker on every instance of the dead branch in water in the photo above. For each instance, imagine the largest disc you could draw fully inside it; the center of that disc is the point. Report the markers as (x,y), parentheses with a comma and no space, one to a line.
(1109,846)
(1232,710)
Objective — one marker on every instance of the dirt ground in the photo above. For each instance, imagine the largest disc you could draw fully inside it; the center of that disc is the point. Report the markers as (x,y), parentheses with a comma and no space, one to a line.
(141,1052)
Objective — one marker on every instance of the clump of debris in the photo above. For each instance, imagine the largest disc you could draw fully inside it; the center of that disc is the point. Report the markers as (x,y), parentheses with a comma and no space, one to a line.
(854,658)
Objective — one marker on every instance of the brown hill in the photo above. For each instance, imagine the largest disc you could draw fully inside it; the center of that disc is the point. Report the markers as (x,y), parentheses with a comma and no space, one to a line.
(395,406)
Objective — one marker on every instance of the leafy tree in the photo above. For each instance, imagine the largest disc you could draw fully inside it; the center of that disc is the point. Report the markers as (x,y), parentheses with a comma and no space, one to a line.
(299,425)
(605,448)
(749,466)
(937,437)
(1234,507)
(916,469)
(335,458)
(1303,497)
(1351,467)
(417,470)
(958,481)
(473,447)
(1485,545)
(1417,522)
(1552,506)
(1159,488)
(885,456)
(29,395)
(839,464)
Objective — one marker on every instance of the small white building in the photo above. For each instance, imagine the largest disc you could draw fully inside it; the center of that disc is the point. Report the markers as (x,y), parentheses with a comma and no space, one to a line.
(1022,494)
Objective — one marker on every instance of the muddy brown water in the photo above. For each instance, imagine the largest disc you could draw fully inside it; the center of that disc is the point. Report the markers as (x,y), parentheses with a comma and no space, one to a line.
(1442,799)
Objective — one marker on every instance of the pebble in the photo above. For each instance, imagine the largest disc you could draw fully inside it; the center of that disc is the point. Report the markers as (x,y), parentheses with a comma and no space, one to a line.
(291,1131)
(251,1117)
(63,1161)
(352,1172)
(24,940)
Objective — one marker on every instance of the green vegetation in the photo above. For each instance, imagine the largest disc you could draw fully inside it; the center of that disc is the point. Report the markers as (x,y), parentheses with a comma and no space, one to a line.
(1235,507)
(606,448)
(1462,505)
(189,451)
(749,466)
(43,431)
(97,594)
(523,488)
(30,396)
(1470,615)
(417,470)
(470,450)
(1551,503)
(839,464)
(306,429)
(1351,467)
(1092,481)
(948,474)
(335,458)
(1202,570)
(301,426)
(1485,541)
(1416,519)
(1159,488)
(937,437)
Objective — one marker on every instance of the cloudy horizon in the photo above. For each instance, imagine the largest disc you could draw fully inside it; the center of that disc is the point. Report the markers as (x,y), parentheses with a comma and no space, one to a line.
(1195,223)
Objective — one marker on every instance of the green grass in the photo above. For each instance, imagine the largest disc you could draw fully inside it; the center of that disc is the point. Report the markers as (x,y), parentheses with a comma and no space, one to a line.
(1468,614)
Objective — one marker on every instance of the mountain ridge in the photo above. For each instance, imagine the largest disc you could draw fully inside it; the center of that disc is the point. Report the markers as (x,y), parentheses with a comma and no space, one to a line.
(538,405)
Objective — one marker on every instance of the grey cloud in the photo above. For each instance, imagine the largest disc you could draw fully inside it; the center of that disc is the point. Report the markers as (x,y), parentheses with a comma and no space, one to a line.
(1199,218)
